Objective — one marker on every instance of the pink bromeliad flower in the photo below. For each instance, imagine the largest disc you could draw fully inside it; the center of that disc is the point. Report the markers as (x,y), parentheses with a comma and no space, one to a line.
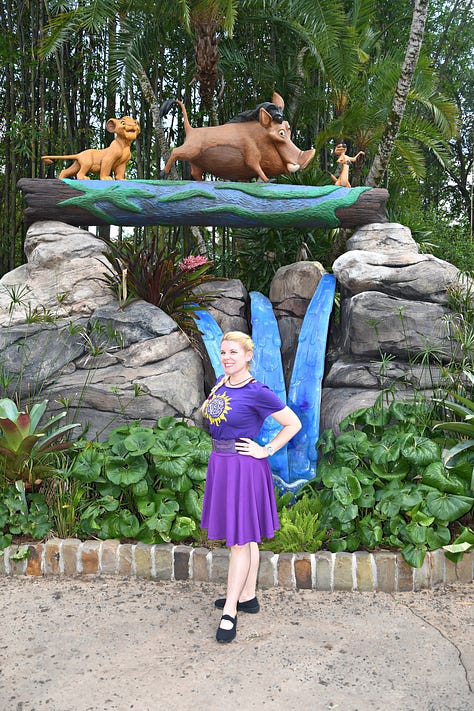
(192,262)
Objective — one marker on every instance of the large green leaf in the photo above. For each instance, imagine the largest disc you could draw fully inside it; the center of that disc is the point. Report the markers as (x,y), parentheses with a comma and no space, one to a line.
(448,507)
(335,476)
(166,423)
(183,527)
(437,537)
(201,454)
(353,541)
(371,536)
(414,555)
(421,451)
(126,471)
(343,495)
(8,409)
(389,472)
(354,486)
(168,507)
(351,447)
(193,504)
(13,436)
(410,496)
(367,497)
(388,501)
(37,412)
(336,545)
(128,524)
(140,489)
(196,473)
(387,451)
(438,477)
(344,513)
(140,440)
(179,483)
(146,507)
(87,465)
(416,533)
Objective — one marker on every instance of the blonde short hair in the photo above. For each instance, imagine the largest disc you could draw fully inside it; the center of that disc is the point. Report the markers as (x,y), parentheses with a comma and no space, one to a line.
(239,337)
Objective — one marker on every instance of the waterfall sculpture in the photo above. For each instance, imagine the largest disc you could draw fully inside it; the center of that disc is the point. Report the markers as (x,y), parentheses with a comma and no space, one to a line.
(295,464)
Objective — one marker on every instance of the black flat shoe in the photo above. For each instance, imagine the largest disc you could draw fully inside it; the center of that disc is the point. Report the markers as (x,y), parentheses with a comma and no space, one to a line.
(223,635)
(252,606)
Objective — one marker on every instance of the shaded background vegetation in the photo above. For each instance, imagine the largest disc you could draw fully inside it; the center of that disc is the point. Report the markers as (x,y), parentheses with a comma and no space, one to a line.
(68,66)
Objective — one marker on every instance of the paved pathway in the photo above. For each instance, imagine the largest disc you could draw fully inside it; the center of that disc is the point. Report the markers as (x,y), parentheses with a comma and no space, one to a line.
(114,644)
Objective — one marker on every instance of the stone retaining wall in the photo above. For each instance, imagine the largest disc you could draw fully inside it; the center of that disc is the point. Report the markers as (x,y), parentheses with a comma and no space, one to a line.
(384,571)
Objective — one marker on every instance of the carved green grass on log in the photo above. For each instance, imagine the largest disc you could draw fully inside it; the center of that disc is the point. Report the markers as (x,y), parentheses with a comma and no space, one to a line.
(111,193)
(137,196)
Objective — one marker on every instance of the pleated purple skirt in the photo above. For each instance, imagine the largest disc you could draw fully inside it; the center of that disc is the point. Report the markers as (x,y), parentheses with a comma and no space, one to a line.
(239,500)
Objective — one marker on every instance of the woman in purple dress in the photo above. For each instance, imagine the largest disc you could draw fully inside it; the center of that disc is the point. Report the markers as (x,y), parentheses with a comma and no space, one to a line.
(239,501)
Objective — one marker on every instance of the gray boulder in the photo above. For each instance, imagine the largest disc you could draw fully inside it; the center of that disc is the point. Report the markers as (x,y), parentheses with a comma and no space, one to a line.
(419,277)
(383,237)
(376,323)
(291,290)
(63,276)
(395,326)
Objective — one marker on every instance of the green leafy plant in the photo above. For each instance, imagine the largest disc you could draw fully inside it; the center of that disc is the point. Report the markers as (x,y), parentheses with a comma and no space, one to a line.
(146,483)
(160,278)
(300,526)
(383,482)
(22,514)
(459,457)
(462,429)
(27,449)
(65,497)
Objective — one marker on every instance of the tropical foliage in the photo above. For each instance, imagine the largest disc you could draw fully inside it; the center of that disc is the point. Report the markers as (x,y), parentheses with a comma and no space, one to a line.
(143,483)
(161,278)
(382,482)
(26,448)
(389,478)
(69,66)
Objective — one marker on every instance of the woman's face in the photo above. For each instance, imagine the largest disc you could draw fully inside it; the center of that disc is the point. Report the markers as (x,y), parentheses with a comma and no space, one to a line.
(234,358)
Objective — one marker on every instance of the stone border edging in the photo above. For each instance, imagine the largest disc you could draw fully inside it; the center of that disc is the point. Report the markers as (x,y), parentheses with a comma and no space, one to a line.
(384,571)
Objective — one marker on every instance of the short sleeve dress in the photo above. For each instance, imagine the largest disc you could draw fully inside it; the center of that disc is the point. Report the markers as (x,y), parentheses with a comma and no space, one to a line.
(239,500)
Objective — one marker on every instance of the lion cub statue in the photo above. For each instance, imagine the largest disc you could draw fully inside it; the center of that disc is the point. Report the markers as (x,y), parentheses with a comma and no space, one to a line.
(105,161)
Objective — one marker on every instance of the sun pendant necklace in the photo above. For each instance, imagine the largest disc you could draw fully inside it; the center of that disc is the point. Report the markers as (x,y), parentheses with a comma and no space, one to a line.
(234,385)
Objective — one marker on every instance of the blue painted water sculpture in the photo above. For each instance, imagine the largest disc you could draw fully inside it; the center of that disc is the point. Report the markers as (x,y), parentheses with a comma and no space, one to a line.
(267,367)
(304,396)
(295,464)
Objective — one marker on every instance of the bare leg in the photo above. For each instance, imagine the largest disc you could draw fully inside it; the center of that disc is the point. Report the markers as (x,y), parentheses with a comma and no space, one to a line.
(241,578)
(249,589)
(239,567)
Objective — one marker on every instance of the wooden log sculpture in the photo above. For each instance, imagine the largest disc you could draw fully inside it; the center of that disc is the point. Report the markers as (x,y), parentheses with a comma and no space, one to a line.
(207,203)
(107,162)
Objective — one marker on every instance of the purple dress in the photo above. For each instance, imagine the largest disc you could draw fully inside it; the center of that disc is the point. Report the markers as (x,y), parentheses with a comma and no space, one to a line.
(239,500)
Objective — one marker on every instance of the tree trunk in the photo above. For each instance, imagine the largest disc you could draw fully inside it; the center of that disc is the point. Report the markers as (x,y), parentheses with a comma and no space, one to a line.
(392,128)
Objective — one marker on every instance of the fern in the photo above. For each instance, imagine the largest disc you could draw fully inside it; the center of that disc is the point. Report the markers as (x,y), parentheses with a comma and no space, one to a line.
(300,528)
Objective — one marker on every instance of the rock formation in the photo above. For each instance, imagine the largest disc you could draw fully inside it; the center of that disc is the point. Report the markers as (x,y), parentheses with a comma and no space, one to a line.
(394,309)
(64,337)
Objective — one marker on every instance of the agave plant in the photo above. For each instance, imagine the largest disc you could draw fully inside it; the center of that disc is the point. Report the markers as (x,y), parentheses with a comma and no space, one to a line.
(26,448)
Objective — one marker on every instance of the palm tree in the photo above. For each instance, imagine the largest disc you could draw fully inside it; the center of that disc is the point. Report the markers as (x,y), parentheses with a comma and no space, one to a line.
(392,126)
(205,20)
